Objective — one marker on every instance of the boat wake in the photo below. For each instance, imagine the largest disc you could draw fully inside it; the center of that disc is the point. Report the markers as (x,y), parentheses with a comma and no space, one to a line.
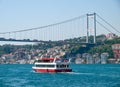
(79,73)
(74,73)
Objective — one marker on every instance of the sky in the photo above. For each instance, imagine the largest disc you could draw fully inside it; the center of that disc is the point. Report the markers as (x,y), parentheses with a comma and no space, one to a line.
(25,14)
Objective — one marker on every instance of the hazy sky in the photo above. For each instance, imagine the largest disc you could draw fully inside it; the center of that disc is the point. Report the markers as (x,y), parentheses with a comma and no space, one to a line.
(24,14)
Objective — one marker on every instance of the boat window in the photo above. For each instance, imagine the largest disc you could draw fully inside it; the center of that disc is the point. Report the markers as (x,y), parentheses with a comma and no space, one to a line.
(62,66)
(50,65)
(40,65)
(58,66)
(45,61)
(45,65)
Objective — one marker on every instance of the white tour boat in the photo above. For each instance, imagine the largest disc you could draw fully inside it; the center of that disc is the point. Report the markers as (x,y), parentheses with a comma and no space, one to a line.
(51,65)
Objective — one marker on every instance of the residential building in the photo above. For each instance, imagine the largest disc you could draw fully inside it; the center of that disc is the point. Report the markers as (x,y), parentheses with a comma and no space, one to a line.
(110,36)
(116,50)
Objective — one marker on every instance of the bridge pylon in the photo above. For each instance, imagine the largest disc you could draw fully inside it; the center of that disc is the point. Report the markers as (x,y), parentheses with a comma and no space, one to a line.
(89,17)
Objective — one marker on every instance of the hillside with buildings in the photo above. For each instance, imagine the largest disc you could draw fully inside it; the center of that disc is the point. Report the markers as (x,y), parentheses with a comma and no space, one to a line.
(106,50)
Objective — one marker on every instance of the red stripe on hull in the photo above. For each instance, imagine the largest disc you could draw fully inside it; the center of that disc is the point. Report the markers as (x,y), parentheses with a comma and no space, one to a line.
(53,70)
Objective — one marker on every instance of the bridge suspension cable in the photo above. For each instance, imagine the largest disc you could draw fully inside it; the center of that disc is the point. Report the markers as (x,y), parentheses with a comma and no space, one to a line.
(107,24)
(41,27)
(104,26)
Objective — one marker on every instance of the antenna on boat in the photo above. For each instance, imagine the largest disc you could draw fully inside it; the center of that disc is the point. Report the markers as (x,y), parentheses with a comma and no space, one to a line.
(55,59)
(41,57)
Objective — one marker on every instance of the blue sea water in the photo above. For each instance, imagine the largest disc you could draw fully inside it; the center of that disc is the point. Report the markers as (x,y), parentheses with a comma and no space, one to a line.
(83,75)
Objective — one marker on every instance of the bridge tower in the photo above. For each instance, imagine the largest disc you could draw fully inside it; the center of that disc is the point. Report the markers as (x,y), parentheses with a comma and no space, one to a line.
(91,18)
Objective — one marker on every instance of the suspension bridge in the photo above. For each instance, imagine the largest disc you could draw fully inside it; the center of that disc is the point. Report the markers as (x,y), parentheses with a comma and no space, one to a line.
(81,26)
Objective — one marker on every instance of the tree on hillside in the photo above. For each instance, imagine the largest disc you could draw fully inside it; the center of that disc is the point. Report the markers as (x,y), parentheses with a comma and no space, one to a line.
(101,49)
